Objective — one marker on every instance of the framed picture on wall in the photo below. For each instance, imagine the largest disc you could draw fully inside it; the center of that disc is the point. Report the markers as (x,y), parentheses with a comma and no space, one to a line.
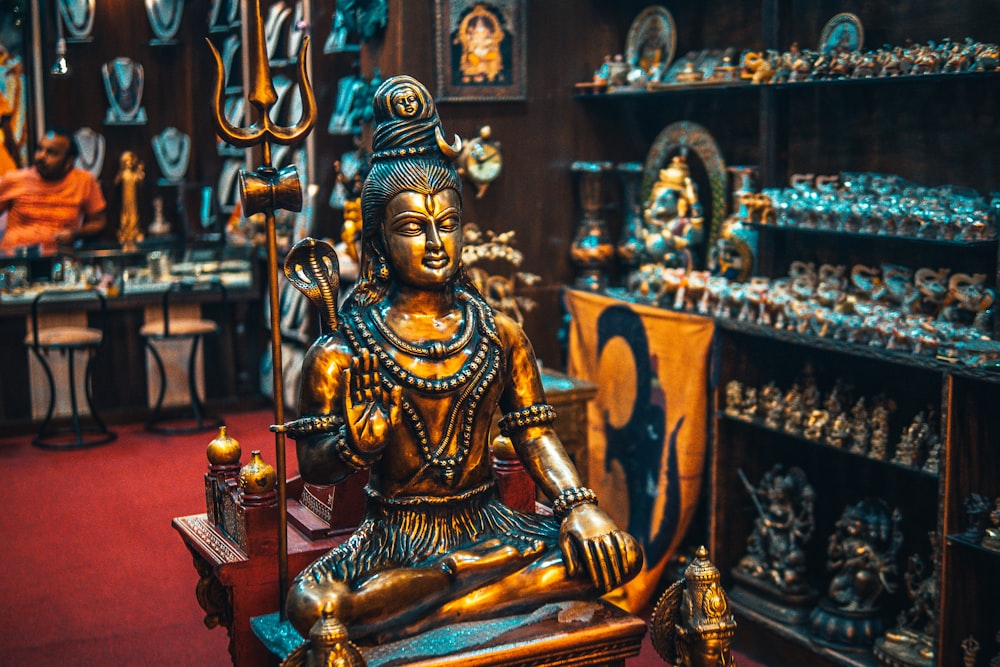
(481,50)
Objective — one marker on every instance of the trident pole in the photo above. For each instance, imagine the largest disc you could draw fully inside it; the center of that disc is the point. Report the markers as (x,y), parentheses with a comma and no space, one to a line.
(266,190)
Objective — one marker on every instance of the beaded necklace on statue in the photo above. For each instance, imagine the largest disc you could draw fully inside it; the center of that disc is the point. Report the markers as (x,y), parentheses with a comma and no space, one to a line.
(473,379)
(434,349)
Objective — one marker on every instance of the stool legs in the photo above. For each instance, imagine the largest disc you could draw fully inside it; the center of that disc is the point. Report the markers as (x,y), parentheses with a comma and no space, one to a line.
(200,420)
(83,436)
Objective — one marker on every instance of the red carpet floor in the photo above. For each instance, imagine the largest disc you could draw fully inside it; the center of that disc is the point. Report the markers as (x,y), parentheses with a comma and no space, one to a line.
(92,572)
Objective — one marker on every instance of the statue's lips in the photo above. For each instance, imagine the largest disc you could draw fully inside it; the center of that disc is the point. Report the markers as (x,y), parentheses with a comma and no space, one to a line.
(436,262)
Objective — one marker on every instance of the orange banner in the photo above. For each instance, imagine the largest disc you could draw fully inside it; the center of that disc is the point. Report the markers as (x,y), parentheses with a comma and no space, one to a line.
(648,425)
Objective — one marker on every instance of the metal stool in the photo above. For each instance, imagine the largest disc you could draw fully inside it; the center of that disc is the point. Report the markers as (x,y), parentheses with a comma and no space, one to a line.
(68,340)
(181,328)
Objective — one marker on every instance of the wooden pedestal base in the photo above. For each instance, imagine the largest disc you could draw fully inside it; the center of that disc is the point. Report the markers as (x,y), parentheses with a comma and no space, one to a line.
(564,634)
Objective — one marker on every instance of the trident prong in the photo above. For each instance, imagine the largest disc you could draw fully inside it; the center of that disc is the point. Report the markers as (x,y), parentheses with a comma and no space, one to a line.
(266,190)
(263,97)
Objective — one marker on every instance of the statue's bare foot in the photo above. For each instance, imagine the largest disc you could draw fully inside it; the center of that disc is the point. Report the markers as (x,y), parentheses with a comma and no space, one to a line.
(487,561)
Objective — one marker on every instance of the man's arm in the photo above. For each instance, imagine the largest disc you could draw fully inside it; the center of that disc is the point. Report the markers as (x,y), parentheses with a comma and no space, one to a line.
(93,224)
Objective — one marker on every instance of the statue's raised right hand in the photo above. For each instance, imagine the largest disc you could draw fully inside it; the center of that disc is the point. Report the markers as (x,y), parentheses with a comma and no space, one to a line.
(372,411)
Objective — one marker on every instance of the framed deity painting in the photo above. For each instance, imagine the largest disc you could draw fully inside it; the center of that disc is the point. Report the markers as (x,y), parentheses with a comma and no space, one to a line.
(481,50)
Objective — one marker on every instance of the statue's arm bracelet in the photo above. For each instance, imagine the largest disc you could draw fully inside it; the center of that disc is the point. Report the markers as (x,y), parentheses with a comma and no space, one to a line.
(570,498)
(539,414)
(305,426)
(349,455)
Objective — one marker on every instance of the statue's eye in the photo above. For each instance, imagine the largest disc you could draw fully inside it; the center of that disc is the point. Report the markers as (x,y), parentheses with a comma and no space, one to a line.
(408,227)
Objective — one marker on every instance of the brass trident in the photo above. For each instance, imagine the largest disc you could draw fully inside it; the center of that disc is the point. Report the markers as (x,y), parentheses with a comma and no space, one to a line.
(267,190)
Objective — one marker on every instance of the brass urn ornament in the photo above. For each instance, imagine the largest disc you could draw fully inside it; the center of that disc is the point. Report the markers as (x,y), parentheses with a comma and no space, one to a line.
(223,449)
(257,477)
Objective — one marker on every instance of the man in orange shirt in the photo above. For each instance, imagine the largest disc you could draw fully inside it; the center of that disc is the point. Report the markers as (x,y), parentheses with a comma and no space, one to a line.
(54,202)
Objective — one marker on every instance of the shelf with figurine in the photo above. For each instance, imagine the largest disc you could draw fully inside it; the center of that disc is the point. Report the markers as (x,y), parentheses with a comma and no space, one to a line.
(982,532)
(858,427)
(647,66)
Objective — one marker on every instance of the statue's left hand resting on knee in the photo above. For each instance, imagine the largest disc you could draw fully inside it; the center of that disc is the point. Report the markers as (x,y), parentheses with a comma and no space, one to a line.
(404,382)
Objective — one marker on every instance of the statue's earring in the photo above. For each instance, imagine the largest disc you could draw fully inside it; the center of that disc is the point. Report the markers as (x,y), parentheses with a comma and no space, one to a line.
(380,267)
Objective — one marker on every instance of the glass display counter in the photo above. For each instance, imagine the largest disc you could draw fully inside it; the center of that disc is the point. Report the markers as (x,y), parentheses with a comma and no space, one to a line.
(134,283)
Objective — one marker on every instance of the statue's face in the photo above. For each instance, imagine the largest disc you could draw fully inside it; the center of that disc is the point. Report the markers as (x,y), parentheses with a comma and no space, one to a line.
(406,102)
(423,236)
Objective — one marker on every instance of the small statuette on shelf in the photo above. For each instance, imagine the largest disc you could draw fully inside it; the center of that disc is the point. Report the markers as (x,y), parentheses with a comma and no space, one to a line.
(911,643)
(131,174)
(861,554)
(792,411)
(748,409)
(816,424)
(991,536)
(159,226)
(839,433)
(773,404)
(771,576)
(879,442)
(734,398)
(977,507)
(970,648)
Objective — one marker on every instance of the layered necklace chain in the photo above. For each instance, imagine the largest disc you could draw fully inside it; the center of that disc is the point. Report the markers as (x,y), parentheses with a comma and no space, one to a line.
(473,379)
(434,349)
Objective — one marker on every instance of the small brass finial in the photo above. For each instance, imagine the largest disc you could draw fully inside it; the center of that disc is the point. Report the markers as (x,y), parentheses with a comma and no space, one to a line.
(224,449)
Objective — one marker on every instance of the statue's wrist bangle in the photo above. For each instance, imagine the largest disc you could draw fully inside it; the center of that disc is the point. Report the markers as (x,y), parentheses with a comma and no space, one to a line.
(570,498)
(306,426)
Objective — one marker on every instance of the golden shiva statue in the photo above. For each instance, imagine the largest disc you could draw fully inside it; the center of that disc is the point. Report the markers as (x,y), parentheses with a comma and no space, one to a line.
(405,383)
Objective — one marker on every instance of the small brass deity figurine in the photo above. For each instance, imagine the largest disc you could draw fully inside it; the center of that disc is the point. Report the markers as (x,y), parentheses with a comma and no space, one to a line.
(816,424)
(991,536)
(404,382)
(772,402)
(131,174)
(913,442)
(692,624)
(860,431)
(673,216)
(771,577)
(912,641)
(793,414)
(840,431)
(748,411)
(861,553)
(734,398)
(879,442)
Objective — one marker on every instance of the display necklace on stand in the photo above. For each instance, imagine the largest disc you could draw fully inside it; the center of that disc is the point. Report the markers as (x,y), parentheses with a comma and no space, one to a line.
(91,145)
(164,19)
(172,149)
(229,49)
(78,17)
(277,15)
(123,83)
